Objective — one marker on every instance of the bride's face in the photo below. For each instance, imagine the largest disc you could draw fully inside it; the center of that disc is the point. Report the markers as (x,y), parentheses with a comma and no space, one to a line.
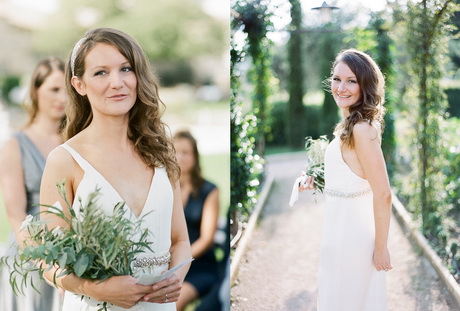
(109,81)
(345,88)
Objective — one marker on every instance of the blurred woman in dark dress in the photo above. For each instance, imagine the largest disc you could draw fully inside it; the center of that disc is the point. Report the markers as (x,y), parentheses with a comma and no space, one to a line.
(201,205)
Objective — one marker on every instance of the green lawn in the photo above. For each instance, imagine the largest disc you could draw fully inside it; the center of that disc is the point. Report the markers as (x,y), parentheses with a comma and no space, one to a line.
(216,168)
(4,225)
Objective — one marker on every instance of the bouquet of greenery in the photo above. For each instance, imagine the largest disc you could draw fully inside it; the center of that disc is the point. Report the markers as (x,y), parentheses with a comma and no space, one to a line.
(315,160)
(314,167)
(92,245)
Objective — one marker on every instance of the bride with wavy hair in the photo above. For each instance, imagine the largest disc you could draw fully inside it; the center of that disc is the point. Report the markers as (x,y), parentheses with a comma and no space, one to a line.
(116,141)
(354,253)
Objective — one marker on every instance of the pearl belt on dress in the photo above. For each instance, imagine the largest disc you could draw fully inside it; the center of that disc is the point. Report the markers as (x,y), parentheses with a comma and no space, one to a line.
(152,261)
(347,195)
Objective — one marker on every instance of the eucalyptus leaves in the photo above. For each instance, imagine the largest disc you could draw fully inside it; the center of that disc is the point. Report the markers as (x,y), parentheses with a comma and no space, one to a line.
(92,245)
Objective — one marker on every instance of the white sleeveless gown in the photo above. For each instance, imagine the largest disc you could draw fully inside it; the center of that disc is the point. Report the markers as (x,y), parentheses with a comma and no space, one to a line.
(159,205)
(348,280)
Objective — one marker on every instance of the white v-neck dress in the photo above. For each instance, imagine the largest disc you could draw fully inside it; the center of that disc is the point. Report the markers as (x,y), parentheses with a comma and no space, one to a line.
(348,280)
(158,210)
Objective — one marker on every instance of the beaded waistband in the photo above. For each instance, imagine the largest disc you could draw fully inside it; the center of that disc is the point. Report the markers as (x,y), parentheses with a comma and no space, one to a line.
(347,195)
(152,261)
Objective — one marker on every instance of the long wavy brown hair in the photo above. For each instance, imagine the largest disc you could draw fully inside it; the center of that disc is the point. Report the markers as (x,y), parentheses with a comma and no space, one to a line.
(146,129)
(41,72)
(196,175)
(369,108)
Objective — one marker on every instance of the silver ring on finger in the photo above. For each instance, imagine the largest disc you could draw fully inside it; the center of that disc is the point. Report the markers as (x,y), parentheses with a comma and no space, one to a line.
(166,298)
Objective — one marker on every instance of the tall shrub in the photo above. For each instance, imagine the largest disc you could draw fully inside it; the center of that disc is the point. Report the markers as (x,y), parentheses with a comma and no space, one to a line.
(426,41)
(246,165)
(253,17)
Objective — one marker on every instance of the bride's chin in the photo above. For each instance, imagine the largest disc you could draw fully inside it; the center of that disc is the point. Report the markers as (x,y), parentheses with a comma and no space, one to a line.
(343,105)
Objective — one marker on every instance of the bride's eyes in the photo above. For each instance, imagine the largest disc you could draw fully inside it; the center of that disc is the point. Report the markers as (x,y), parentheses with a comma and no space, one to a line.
(123,69)
(349,81)
(127,69)
(100,73)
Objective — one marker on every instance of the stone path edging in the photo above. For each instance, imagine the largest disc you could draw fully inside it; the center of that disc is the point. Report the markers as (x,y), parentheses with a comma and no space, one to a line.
(405,220)
(243,243)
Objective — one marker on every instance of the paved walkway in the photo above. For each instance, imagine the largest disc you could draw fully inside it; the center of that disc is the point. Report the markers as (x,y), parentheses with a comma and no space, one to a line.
(279,270)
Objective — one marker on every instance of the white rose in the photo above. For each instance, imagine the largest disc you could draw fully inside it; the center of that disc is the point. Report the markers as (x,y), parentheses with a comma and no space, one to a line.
(26,222)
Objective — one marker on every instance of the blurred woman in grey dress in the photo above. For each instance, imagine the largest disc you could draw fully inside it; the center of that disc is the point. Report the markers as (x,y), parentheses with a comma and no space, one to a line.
(22,160)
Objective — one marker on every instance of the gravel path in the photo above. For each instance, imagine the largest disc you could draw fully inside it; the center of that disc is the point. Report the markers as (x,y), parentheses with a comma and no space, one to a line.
(279,270)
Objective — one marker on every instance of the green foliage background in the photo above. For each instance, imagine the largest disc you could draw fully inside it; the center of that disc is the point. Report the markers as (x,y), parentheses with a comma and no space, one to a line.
(172,32)
(246,165)
(167,30)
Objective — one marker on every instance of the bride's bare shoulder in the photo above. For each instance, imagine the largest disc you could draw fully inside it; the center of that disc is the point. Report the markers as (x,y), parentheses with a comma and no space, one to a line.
(60,159)
(365,131)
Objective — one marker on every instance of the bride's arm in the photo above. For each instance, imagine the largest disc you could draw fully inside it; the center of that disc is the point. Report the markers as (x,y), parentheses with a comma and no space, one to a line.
(370,155)
(180,243)
(120,290)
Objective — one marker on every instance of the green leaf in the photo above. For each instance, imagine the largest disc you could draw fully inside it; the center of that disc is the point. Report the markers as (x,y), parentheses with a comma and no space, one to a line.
(70,255)
(49,258)
(62,260)
(82,263)
(27,251)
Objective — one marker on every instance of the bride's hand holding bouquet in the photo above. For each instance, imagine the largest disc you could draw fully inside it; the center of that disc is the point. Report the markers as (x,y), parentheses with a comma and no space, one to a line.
(313,176)
(306,182)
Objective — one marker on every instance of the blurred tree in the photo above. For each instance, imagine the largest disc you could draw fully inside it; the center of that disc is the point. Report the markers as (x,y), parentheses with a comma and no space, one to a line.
(454,43)
(296,112)
(280,66)
(327,42)
(253,17)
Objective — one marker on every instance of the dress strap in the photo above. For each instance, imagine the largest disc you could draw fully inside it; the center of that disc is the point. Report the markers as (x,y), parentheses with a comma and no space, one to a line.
(85,165)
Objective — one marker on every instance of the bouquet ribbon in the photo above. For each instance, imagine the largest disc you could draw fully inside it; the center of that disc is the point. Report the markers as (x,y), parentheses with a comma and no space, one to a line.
(295,191)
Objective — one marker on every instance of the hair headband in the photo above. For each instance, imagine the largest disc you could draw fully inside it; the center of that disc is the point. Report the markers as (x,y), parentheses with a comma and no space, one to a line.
(73,56)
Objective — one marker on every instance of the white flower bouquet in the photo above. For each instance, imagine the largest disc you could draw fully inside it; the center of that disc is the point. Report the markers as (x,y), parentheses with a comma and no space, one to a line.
(314,167)
(92,245)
